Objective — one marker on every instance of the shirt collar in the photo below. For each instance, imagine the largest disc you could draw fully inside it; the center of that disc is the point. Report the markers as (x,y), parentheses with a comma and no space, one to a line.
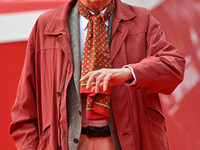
(86,21)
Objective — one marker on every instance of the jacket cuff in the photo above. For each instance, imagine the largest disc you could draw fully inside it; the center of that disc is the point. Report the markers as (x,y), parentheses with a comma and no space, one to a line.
(133,81)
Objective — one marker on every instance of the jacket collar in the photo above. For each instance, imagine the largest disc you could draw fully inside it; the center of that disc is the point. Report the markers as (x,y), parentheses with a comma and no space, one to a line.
(58,24)
(59,21)
(124,11)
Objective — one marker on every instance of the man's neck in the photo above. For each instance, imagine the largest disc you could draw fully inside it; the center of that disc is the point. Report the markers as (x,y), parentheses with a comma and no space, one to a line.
(95,6)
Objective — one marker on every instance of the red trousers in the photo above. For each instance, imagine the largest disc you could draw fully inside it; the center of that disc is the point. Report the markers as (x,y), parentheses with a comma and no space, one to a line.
(97,143)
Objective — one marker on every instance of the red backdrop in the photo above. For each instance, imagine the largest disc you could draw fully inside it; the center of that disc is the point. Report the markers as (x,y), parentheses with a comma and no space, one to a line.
(180,20)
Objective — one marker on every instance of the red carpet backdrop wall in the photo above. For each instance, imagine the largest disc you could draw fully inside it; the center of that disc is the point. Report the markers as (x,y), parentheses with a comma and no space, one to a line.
(180,20)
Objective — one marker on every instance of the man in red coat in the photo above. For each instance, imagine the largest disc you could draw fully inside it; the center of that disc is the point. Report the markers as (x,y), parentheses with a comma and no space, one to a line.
(91,78)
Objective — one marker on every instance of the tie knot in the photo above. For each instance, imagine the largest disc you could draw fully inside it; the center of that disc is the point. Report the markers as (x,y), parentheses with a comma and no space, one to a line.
(97,18)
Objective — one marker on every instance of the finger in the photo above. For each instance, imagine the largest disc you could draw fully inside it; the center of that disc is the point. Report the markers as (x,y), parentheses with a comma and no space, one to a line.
(93,89)
(101,84)
(91,78)
(85,76)
(106,82)
(99,79)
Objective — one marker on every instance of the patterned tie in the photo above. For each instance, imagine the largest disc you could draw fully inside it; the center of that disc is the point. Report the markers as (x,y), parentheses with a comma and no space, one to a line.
(96,55)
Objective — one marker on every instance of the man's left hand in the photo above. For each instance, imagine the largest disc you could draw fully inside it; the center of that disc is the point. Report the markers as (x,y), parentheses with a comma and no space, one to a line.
(107,77)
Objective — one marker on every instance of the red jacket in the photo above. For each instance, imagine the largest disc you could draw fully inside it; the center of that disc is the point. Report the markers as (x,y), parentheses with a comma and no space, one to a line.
(39,113)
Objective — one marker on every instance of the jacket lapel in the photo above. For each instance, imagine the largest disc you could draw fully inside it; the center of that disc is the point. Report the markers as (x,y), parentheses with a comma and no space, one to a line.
(117,40)
(64,42)
(58,26)
(120,30)
(65,26)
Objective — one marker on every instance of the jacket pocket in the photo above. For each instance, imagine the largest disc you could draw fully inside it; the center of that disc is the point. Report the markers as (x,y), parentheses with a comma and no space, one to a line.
(155,135)
(156,130)
(156,117)
(44,139)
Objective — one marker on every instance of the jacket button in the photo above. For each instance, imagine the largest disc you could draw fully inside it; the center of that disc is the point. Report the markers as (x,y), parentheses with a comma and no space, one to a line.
(75,140)
(58,147)
(79,112)
(165,128)
(58,94)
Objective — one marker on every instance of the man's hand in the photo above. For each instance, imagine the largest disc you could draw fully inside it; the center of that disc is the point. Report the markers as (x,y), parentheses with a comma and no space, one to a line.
(107,77)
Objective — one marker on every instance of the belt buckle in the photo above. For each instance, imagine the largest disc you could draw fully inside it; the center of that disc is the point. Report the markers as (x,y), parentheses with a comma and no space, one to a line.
(89,129)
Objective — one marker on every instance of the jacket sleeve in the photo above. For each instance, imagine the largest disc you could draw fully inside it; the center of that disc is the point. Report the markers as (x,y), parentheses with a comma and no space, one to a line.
(24,128)
(163,68)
